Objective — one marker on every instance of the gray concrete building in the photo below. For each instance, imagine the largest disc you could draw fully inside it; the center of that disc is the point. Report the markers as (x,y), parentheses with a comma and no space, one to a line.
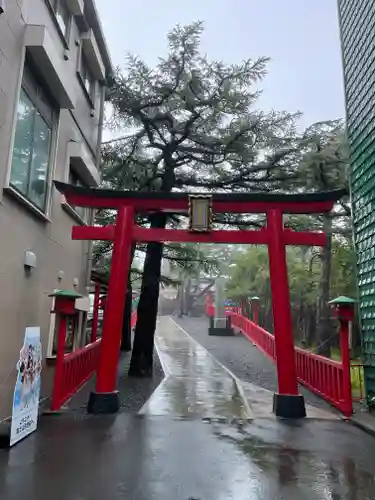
(54,65)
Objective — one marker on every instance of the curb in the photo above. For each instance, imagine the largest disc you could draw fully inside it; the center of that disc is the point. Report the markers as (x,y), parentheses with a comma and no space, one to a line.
(250,415)
(363,427)
(166,376)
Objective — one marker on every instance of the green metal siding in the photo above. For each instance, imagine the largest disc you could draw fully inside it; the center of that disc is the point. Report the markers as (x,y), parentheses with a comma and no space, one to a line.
(357,26)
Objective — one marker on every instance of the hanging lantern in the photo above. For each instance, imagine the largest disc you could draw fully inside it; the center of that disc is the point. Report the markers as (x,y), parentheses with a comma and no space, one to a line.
(200,213)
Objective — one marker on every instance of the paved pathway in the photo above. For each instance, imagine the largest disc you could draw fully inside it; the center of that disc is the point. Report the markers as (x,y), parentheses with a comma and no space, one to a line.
(199,386)
(196,385)
(242,358)
(174,450)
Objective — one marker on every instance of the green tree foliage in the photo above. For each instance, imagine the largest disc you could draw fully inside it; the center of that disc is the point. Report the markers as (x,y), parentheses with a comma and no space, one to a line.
(214,262)
(249,275)
(191,123)
(324,166)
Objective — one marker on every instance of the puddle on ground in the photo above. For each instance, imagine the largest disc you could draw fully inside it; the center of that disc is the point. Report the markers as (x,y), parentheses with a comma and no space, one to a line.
(298,471)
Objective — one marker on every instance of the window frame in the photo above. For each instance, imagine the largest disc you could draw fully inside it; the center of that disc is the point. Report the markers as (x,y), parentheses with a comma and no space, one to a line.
(53,8)
(83,62)
(34,88)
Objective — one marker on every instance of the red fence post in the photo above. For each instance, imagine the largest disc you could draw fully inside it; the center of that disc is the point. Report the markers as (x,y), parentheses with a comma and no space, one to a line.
(95,315)
(58,380)
(287,403)
(344,309)
(64,307)
(105,399)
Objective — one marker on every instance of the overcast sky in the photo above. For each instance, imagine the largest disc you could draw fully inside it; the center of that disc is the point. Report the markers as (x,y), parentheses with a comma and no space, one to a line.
(301,37)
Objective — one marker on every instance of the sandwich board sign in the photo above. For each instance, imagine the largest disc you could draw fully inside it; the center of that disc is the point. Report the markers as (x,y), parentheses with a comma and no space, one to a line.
(27,388)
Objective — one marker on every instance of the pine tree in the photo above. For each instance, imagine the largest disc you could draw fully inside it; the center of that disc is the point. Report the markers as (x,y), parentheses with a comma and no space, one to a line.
(191,124)
(324,166)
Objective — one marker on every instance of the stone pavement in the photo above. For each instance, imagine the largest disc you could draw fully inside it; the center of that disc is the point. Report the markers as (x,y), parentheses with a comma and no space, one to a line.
(242,358)
(197,385)
(196,438)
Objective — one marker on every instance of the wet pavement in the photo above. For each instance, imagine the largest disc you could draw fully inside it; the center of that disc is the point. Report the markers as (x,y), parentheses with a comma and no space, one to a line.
(199,386)
(242,358)
(159,458)
(195,443)
(134,392)
(196,385)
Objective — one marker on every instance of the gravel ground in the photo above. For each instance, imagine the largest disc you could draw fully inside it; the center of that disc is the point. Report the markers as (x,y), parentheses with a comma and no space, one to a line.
(134,392)
(243,359)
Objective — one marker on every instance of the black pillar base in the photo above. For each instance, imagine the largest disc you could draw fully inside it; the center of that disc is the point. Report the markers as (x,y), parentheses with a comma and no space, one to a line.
(5,434)
(288,406)
(225,331)
(103,403)
(221,332)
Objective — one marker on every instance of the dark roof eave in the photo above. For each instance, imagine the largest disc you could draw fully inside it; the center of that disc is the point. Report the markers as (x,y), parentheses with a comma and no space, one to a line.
(334,195)
(94,21)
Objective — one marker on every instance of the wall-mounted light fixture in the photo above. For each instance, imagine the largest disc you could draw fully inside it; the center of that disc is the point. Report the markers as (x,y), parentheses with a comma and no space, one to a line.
(30,260)
(2,6)
(200,213)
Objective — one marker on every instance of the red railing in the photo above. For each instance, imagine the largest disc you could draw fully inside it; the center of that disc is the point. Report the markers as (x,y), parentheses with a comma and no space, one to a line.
(324,377)
(321,375)
(232,310)
(76,369)
(256,334)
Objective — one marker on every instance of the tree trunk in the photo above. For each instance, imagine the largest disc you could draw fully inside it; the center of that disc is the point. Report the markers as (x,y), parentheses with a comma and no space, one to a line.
(324,327)
(143,349)
(204,290)
(187,296)
(246,307)
(126,338)
(311,327)
(126,334)
(180,296)
(178,300)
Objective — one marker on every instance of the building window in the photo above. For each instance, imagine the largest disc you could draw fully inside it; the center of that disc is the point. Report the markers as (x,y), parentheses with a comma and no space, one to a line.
(32,143)
(87,78)
(76,180)
(63,16)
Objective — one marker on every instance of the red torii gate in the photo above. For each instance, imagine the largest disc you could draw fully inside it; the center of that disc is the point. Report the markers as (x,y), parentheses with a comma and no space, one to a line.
(287,402)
